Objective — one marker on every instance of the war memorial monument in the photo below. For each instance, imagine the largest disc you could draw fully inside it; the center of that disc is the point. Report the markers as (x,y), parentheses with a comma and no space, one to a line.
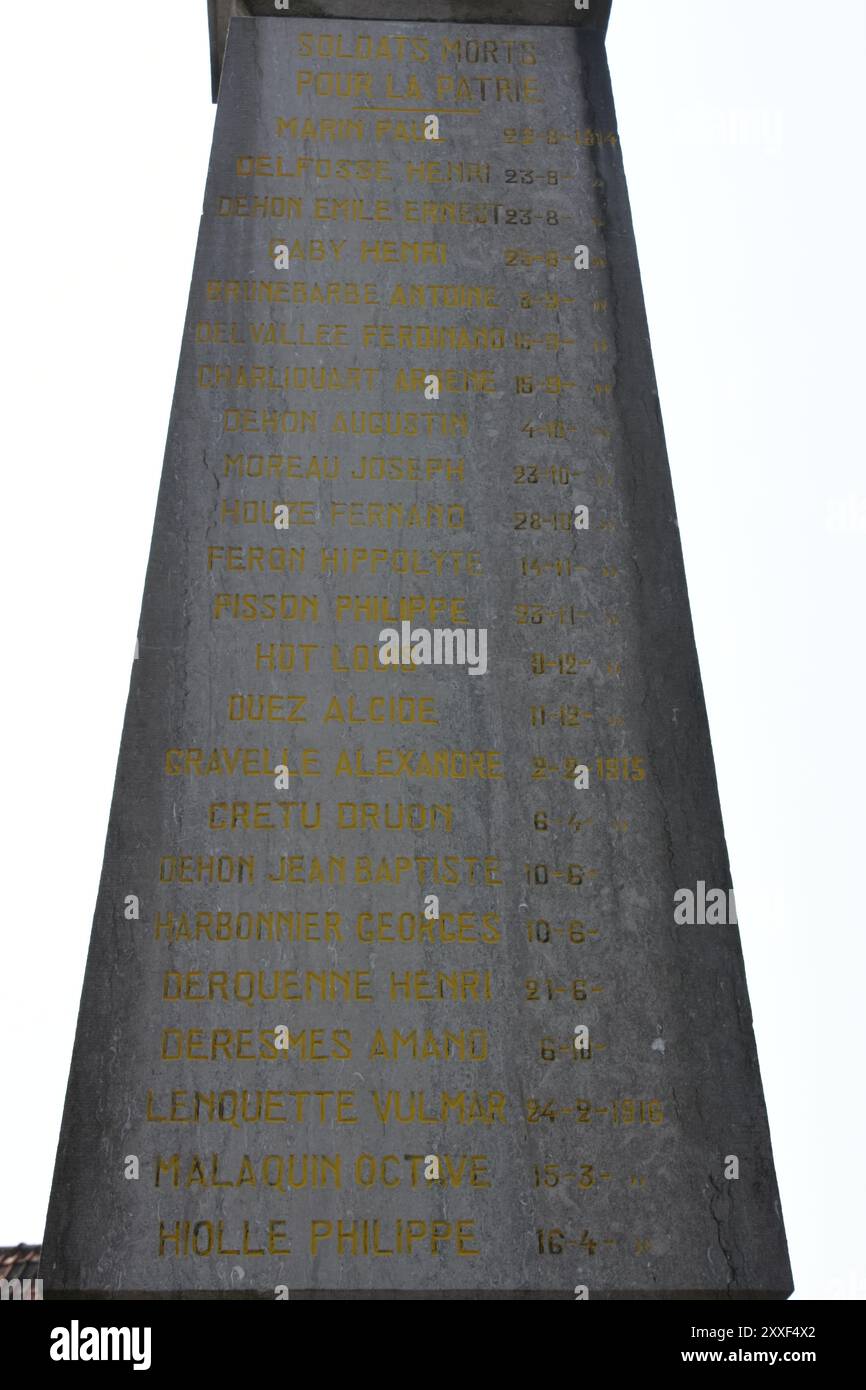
(415,969)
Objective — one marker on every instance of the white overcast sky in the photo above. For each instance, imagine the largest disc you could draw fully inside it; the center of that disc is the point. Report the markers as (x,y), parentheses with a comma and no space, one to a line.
(743,136)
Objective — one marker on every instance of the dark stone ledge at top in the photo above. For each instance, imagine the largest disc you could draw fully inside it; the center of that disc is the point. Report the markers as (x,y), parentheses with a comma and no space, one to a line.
(535,12)
(415,1295)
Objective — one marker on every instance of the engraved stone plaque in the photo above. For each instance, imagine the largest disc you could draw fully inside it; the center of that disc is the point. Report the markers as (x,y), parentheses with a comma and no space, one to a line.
(415,969)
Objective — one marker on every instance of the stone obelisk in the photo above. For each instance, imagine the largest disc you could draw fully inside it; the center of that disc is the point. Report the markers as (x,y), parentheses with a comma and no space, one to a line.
(415,969)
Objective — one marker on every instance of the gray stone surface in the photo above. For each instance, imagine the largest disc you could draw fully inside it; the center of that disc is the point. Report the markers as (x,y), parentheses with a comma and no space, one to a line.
(556,1170)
